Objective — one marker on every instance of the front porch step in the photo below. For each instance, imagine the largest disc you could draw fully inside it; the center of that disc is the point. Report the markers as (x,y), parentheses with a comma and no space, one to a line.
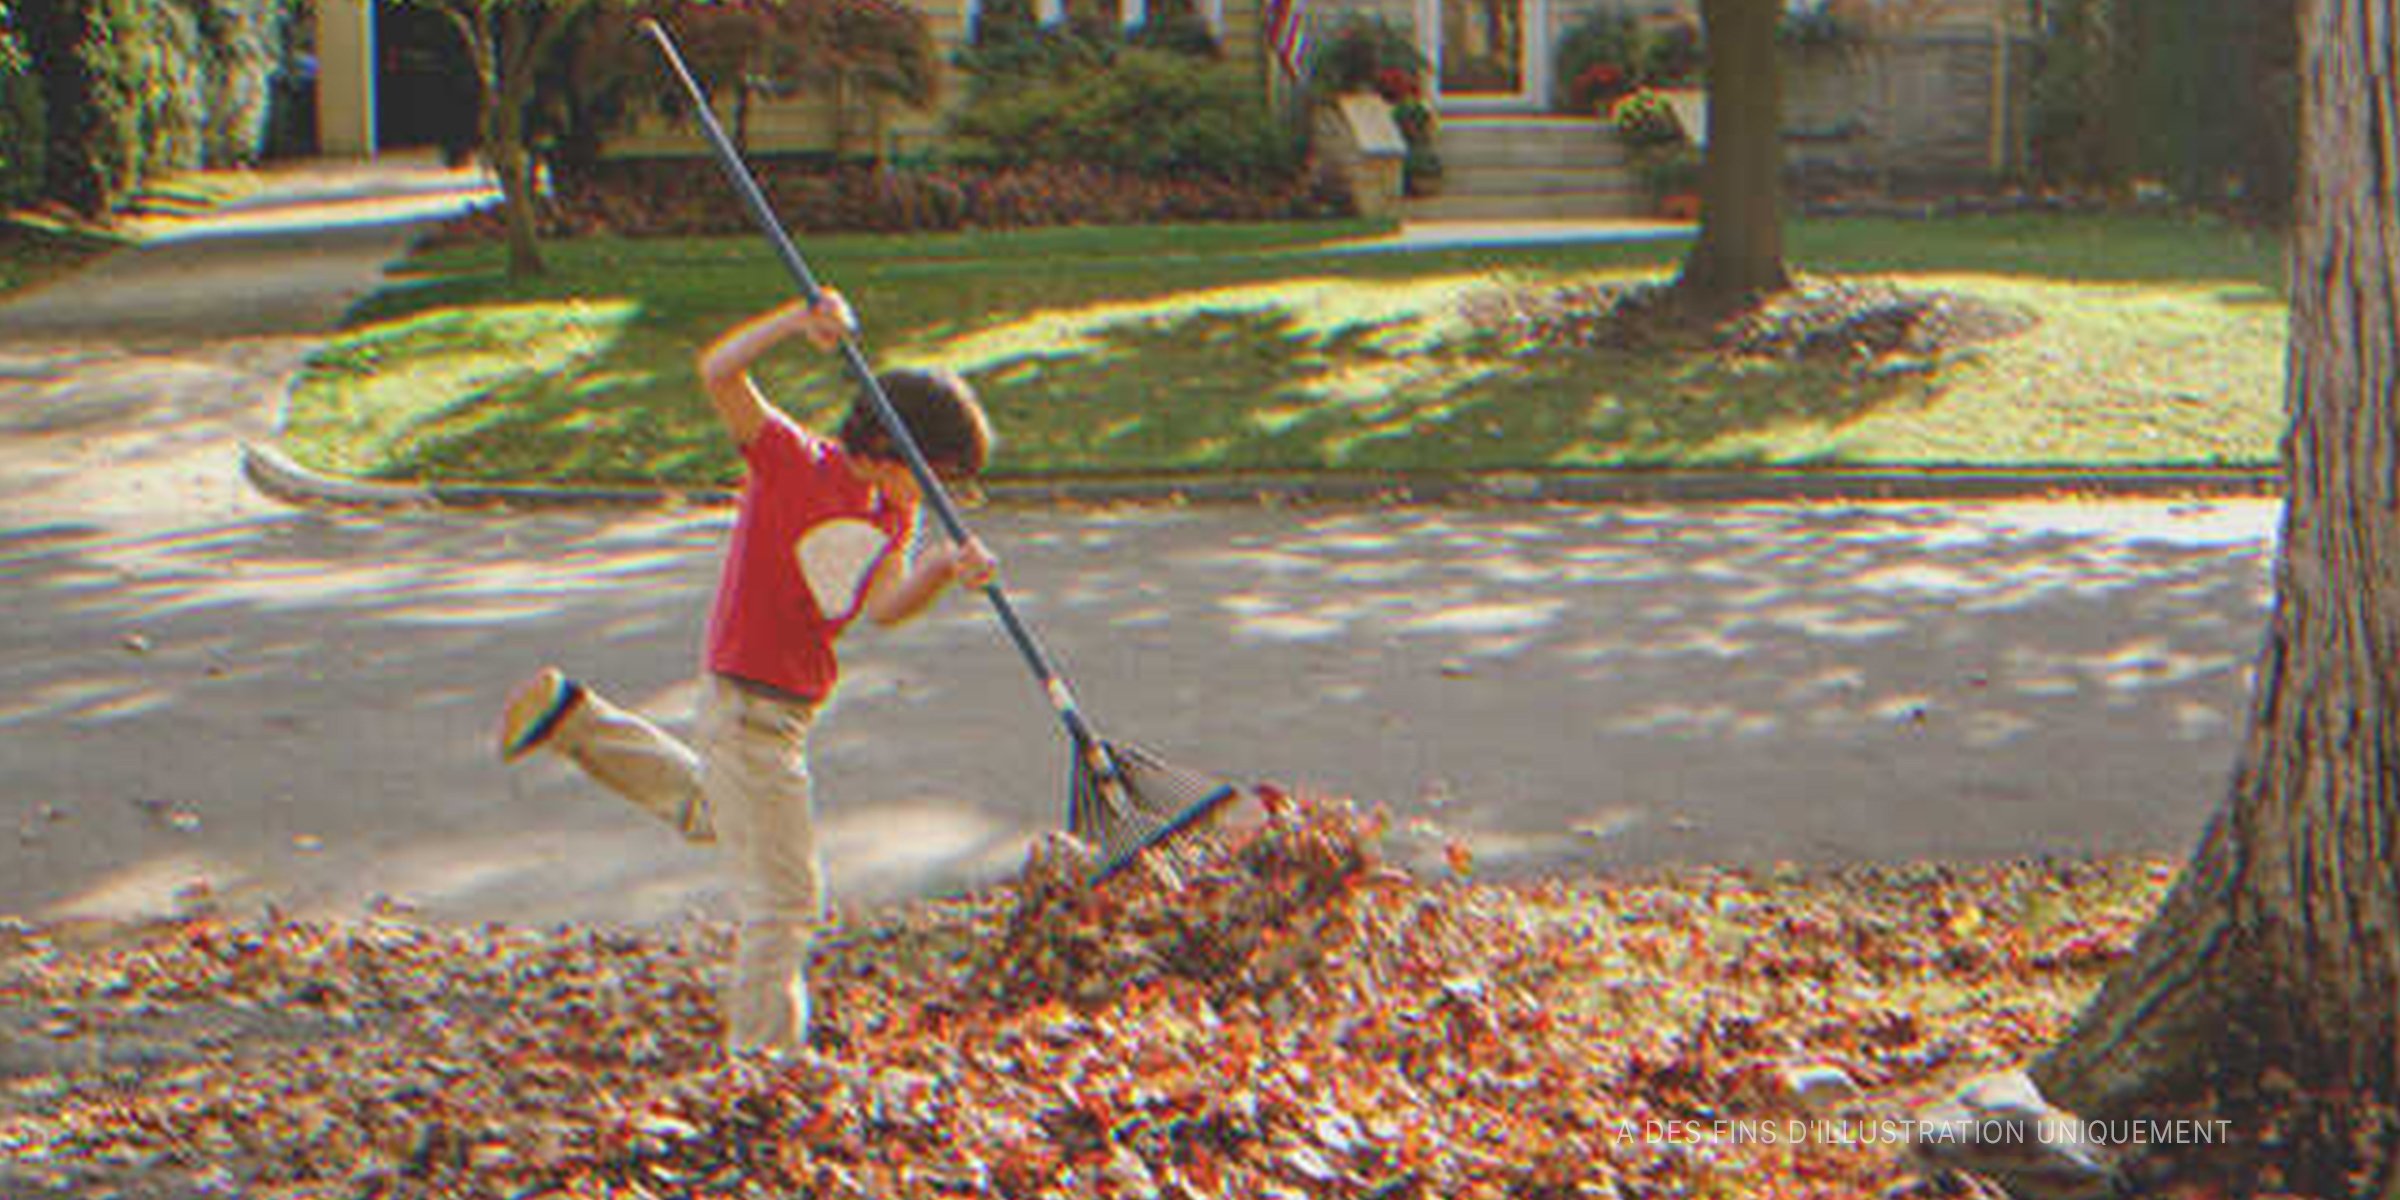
(1563,206)
(1530,168)
(1535,181)
(1527,142)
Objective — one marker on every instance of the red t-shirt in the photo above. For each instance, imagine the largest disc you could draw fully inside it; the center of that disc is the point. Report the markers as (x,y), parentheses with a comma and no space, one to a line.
(807,538)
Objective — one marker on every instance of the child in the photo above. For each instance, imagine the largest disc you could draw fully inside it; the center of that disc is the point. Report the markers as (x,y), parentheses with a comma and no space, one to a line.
(820,538)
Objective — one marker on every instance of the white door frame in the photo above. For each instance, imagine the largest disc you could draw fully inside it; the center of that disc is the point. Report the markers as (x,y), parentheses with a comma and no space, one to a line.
(1535,69)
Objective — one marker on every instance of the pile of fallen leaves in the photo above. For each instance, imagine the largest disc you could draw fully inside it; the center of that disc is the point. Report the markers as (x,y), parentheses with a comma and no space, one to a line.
(1865,323)
(1296,1021)
(1236,918)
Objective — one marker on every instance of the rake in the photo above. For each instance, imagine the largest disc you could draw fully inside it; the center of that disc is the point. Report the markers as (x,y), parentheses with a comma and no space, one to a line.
(1122,800)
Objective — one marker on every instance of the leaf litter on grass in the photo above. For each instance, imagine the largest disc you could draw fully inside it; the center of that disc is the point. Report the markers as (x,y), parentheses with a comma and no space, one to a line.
(1299,1020)
(1867,322)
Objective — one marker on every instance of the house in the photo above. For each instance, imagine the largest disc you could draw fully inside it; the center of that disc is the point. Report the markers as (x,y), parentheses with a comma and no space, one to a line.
(1934,88)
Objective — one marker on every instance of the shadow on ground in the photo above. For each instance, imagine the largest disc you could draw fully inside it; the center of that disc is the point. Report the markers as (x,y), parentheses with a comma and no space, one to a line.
(298,708)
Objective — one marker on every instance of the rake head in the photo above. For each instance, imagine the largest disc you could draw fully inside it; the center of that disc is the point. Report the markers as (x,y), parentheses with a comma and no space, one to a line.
(1124,801)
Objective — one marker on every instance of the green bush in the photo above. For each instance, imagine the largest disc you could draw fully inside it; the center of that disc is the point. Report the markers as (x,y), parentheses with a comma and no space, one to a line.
(2199,94)
(1670,169)
(1674,57)
(1808,25)
(1010,44)
(860,56)
(1600,51)
(169,61)
(1145,111)
(241,52)
(665,197)
(89,54)
(22,124)
(136,88)
(1175,26)
(1358,53)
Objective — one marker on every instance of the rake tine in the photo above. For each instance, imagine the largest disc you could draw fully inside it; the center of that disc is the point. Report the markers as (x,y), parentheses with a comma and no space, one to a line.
(1184,802)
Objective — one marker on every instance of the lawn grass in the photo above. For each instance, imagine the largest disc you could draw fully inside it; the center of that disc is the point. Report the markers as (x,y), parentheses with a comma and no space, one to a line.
(36,248)
(35,252)
(2158,342)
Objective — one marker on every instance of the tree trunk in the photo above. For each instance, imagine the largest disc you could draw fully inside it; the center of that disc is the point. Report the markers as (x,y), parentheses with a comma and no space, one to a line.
(515,169)
(1739,255)
(2269,986)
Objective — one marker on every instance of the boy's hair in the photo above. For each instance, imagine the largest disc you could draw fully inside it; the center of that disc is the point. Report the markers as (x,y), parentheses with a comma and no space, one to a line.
(942,414)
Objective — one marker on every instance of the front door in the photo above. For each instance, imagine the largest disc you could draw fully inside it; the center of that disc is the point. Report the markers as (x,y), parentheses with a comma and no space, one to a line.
(1487,54)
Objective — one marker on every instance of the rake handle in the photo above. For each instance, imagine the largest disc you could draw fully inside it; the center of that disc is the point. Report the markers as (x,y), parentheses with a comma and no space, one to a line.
(762,214)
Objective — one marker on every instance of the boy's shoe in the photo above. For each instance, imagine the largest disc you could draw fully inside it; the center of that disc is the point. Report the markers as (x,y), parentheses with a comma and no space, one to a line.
(534,711)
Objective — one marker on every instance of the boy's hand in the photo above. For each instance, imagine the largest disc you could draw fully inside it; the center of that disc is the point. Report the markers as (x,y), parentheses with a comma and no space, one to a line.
(822,323)
(972,565)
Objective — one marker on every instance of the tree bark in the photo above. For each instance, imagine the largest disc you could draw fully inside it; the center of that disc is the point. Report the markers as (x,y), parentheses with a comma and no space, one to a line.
(2270,982)
(1739,255)
(507,42)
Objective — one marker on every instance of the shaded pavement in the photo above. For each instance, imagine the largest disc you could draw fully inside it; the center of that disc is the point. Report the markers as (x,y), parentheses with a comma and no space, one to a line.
(298,706)
(198,685)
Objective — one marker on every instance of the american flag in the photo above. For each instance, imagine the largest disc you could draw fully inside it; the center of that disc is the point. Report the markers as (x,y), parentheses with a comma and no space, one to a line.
(1287,34)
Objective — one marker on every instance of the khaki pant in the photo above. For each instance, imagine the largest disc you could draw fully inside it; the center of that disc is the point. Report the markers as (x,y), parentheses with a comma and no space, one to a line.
(746,789)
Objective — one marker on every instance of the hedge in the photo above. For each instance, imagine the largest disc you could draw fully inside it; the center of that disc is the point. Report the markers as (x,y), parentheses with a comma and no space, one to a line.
(1150,112)
(675,198)
(23,133)
(136,88)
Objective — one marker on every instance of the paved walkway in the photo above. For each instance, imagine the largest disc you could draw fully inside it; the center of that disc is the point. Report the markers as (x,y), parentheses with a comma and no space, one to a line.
(1454,235)
(196,685)
(127,389)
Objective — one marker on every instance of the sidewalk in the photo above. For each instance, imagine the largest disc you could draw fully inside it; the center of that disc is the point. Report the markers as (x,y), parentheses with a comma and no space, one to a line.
(1455,235)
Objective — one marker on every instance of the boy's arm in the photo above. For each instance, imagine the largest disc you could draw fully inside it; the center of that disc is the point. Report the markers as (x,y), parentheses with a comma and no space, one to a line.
(901,589)
(725,364)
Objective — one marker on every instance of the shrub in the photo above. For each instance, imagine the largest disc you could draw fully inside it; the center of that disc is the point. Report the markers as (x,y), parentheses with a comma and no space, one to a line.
(1674,56)
(1143,111)
(1816,25)
(1605,39)
(1175,26)
(169,64)
(1423,165)
(667,198)
(859,54)
(242,51)
(1357,53)
(23,130)
(1671,169)
(1009,43)
(134,88)
(86,52)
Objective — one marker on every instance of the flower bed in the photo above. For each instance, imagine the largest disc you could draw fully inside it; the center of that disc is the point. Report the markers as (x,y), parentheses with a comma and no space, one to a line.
(687,198)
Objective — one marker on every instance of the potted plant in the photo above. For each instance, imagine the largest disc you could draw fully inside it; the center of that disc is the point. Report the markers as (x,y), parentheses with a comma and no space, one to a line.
(1367,53)
(1599,59)
(1672,175)
(1421,172)
(1666,158)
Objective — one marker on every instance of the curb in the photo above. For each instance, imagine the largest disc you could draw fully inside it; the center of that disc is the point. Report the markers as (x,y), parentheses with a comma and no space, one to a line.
(275,474)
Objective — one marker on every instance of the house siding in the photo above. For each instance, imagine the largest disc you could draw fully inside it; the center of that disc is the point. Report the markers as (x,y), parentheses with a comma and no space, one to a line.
(807,124)
(1917,108)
